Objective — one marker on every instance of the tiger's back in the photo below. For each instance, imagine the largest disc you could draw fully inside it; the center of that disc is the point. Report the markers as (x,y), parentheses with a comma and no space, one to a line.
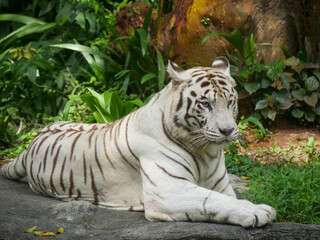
(80,161)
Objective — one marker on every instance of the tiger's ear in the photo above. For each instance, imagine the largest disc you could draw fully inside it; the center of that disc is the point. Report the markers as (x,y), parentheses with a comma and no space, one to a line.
(222,64)
(175,73)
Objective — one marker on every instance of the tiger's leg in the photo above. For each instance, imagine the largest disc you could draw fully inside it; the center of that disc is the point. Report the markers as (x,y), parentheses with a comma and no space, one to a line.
(170,194)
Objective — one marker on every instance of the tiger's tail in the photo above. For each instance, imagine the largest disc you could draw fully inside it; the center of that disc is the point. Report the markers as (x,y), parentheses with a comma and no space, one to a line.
(16,169)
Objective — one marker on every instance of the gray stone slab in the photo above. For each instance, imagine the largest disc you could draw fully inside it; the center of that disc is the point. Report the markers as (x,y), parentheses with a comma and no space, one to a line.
(22,209)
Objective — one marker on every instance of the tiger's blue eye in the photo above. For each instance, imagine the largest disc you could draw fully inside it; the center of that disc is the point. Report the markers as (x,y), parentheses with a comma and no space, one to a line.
(205,104)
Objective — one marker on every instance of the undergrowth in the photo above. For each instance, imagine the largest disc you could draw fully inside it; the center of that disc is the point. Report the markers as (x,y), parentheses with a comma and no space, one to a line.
(291,187)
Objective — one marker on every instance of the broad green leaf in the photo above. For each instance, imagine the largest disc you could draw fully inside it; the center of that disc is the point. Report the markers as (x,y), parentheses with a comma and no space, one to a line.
(20,18)
(235,38)
(272,115)
(161,70)
(282,99)
(32,73)
(311,84)
(249,50)
(316,109)
(148,77)
(262,104)
(35,28)
(143,40)
(297,113)
(311,100)
(251,87)
(65,111)
(265,82)
(256,122)
(285,51)
(299,94)
(285,81)
(29,28)
(310,116)
(293,61)
(84,49)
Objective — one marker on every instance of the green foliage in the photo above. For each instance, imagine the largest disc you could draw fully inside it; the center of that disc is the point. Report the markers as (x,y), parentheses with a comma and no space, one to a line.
(291,189)
(108,106)
(280,180)
(287,86)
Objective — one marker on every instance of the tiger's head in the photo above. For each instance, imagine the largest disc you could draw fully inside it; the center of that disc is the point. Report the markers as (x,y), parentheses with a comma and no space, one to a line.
(206,105)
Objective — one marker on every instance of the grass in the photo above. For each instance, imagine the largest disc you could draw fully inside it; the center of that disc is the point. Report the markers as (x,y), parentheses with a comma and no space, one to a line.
(285,182)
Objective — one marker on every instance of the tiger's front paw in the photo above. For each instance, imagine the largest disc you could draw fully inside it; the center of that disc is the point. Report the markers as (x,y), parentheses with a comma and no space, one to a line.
(252,215)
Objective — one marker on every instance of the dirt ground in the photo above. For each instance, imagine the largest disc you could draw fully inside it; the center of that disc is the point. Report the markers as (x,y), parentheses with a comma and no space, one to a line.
(283,140)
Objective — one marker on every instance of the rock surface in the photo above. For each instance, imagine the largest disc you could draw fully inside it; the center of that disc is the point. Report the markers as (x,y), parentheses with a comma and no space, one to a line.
(22,209)
(290,23)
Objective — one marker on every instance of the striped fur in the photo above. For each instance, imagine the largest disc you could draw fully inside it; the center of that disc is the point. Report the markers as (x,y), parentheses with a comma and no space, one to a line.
(165,158)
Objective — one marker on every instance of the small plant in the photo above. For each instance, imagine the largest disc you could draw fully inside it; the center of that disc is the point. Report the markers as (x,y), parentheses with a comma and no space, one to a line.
(108,106)
(283,87)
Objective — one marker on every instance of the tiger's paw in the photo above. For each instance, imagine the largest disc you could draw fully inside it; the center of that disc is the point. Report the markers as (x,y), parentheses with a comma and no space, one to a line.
(252,215)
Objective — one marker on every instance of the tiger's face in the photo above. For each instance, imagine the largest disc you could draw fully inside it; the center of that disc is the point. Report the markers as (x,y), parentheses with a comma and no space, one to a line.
(207,105)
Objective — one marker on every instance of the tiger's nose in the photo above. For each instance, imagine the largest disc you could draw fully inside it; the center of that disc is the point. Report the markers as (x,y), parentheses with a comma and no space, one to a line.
(226,131)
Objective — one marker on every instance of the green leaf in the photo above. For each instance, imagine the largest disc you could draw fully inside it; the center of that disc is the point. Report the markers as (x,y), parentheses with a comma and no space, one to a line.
(20,18)
(282,99)
(256,122)
(316,109)
(311,84)
(310,116)
(32,73)
(299,94)
(143,40)
(251,87)
(65,111)
(161,70)
(312,99)
(84,49)
(249,50)
(297,113)
(265,82)
(285,51)
(262,104)
(272,115)
(235,38)
(148,77)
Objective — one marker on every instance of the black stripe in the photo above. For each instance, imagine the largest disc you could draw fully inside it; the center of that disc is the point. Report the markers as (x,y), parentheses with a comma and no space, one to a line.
(54,162)
(45,158)
(205,84)
(61,174)
(220,179)
(96,156)
(73,145)
(126,136)
(84,168)
(123,157)
(169,174)
(180,102)
(105,149)
(71,183)
(94,188)
(185,167)
(177,142)
(147,176)
(42,140)
(200,79)
(188,218)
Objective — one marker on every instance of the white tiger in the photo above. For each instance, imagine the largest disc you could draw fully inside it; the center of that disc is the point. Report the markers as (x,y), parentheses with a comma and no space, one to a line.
(166,158)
